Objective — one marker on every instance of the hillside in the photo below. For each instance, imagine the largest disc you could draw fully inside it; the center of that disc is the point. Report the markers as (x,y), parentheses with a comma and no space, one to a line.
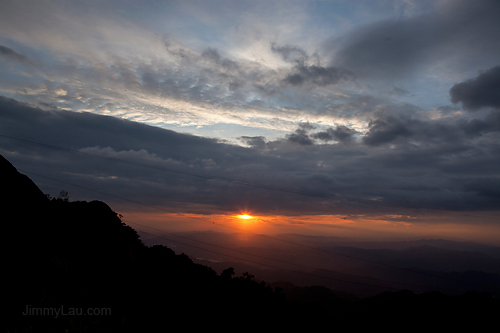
(64,255)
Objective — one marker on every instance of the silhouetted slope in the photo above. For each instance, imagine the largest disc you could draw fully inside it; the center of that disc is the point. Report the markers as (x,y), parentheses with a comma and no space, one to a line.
(18,189)
(81,255)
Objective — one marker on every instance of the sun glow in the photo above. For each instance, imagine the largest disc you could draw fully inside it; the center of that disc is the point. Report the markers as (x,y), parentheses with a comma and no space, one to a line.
(245,217)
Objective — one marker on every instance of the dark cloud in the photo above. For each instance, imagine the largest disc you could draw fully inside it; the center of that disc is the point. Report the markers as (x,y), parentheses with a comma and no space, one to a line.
(301,137)
(462,33)
(386,130)
(483,91)
(341,133)
(476,127)
(403,129)
(268,91)
(290,53)
(304,73)
(424,153)
(307,126)
(258,142)
(213,55)
(10,54)
(398,92)
(318,75)
(484,186)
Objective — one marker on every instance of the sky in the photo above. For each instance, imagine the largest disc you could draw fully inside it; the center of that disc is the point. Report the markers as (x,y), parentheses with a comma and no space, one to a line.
(373,119)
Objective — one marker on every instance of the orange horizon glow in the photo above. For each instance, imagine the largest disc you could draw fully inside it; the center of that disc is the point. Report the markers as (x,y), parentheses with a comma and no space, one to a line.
(361,226)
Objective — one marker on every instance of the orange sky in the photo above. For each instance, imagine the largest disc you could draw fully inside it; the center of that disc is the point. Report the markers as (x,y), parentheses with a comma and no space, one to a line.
(461,227)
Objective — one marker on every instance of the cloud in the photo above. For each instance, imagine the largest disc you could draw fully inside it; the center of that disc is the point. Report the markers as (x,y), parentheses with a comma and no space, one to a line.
(214,56)
(482,91)
(386,130)
(350,175)
(317,75)
(401,129)
(477,127)
(306,73)
(306,126)
(10,54)
(341,133)
(484,186)
(123,66)
(461,34)
(257,142)
(290,53)
(167,81)
(301,137)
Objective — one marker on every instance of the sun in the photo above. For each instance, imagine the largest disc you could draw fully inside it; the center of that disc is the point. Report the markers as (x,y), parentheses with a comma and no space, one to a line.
(245,217)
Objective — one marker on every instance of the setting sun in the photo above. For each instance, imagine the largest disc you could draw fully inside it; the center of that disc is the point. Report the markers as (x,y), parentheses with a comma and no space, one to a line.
(245,217)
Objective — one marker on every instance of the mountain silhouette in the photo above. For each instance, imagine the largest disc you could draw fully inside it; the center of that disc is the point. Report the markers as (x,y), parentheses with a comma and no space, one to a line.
(80,255)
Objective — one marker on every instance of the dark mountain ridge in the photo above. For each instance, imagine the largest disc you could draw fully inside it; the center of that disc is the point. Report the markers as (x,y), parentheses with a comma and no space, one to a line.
(80,255)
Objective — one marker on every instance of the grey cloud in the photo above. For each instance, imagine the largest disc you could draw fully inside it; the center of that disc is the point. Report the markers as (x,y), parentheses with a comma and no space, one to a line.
(341,133)
(235,85)
(386,130)
(268,91)
(307,126)
(301,137)
(403,129)
(484,186)
(476,127)
(395,174)
(325,136)
(290,53)
(318,75)
(258,142)
(207,79)
(398,92)
(304,73)
(10,54)
(145,144)
(464,33)
(213,55)
(179,52)
(483,91)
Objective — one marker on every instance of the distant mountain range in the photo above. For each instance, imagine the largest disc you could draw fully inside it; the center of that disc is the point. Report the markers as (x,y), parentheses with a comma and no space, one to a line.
(361,268)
